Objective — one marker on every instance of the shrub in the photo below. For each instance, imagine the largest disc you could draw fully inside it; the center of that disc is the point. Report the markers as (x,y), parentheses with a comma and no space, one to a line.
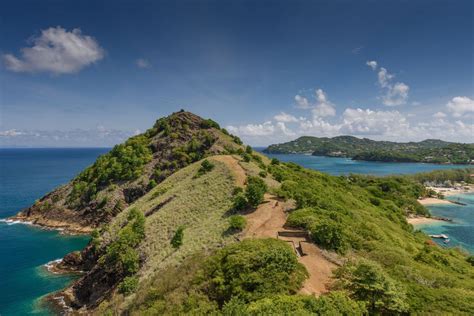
(177,239)
(470,259)
(240,202)
(246,157)
(210,124)
(367,282)
(252,269)
(237,222)
(329,235)
(255,191)
(152,184)
(121,254)
(262,174)
(128,285)
(248,149)
(275,161)
(206,166)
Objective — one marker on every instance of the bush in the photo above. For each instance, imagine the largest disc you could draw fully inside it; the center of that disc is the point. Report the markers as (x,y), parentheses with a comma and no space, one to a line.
(177,239)
(210,124)
(367,282)
(255,191)
(206,166)
(246,157)
(121,255)
(152,184)
(252,269)
(237,222)
(275,161)
(128,285)
(262,174)
(329,235)
(248,150)
(240,202)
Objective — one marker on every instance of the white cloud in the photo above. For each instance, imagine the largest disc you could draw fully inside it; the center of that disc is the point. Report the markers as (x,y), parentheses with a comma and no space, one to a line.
(56,51)
(324,107)
(302,102)
(395,93)
(460,106)
(439,115)
(369,122)
(384,77)
(372,64)
(142,63)
(284,117)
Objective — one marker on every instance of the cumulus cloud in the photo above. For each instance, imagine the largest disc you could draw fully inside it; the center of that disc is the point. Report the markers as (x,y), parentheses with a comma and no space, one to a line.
(323,107)
(394,93)
(460,106)
(302,102)
(439,115)
(56,51)
(285,118)
(372,64)
(142,63)
(397,94)
(368,122)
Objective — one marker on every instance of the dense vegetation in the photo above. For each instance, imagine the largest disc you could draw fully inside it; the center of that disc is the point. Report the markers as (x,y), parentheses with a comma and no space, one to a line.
(253,277)
(364,217)
(124,162)
(430,150)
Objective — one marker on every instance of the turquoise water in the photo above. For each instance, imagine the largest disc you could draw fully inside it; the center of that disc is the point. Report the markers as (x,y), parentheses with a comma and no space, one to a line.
(339,166)
(461,230)
(25,175)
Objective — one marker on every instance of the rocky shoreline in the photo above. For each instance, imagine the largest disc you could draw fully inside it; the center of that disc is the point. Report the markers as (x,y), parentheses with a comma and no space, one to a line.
(64,228)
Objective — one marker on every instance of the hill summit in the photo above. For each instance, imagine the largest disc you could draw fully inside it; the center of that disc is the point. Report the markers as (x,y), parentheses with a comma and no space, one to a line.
(129,171)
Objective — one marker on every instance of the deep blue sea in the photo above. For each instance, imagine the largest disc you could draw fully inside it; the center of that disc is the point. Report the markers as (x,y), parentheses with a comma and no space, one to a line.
(27,174)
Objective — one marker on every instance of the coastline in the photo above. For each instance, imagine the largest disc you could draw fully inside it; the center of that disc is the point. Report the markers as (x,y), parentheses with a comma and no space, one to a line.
(421,220)
(63,227)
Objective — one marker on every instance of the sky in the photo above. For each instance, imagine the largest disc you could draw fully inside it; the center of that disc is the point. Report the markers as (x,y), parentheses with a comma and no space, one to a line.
(92,73)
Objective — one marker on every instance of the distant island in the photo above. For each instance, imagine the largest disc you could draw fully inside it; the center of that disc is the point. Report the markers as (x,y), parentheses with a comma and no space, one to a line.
(429,150)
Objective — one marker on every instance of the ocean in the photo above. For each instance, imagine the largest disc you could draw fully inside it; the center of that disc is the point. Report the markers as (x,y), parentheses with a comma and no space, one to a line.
(27,174)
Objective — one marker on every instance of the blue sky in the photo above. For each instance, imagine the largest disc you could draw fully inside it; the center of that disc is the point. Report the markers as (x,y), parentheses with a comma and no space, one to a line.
(91,73)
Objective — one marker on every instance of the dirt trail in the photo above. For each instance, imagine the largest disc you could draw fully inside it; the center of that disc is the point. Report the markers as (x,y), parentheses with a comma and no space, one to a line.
(267,220)
(234,166)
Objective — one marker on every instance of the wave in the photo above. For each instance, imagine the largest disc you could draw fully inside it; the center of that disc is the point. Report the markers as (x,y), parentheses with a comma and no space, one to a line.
(50,265)
(13,222)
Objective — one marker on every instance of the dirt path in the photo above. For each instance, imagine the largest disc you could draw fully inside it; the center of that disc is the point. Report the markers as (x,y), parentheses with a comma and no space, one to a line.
(234,166)
(267,220)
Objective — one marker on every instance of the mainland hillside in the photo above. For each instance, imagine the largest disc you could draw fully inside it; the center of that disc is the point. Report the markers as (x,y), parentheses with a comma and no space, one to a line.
(185,219)
(429,150)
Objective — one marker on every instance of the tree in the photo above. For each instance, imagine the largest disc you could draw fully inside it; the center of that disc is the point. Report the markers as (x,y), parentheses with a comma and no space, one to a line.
(255,191)
(367,282)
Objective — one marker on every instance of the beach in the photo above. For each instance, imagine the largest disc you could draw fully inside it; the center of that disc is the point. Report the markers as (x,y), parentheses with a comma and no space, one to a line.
(422,220)
(431,201)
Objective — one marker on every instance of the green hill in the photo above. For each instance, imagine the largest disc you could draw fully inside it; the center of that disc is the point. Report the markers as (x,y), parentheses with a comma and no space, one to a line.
(430,150)
(180,245)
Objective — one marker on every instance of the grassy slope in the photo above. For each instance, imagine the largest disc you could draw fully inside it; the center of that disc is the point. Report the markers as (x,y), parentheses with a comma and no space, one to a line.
(199,204)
